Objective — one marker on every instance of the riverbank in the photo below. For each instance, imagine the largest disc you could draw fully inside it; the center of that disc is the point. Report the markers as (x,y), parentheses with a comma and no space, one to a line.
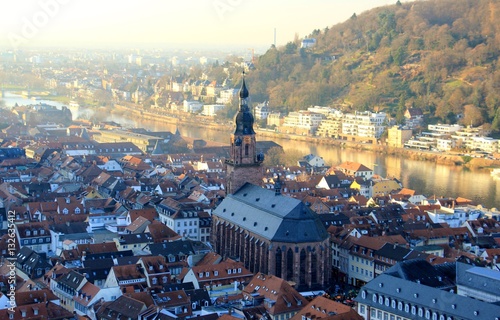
(437,157)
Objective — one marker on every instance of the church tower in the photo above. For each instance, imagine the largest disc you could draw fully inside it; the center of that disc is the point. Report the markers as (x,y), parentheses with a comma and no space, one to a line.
(244,164)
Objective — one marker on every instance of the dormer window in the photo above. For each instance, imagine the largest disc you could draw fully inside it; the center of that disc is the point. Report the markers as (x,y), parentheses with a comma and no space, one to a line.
(65,211)
(28,233)
(42,232)
(77,210)
(35,233)
(228,271)
(216,273)
(207,274)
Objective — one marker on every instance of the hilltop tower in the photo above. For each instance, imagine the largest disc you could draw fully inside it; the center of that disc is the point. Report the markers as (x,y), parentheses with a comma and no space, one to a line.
(244,163)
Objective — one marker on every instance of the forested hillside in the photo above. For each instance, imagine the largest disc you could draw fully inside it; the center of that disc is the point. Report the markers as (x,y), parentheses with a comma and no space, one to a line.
(438,55)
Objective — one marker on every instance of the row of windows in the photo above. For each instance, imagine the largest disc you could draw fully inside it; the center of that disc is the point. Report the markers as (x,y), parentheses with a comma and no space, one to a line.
(33,241)
(35,232)
(367,262)
(191,223)
(180,231)
(363,271)
(155,280)
(404,306)
(113,149)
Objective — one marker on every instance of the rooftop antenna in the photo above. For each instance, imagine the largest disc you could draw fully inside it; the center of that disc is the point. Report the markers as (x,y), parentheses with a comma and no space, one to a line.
(275,37)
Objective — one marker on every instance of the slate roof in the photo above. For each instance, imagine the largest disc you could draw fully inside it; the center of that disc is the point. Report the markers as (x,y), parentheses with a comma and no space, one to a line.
(124,306)
(70,228)
(393,252)
(273,217)
(135,238)
(419,270)
(436,300)
(172,248)
(478,278)
(72,279)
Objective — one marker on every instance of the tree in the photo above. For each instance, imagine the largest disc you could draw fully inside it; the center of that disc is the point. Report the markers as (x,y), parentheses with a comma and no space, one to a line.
(290,48)
(400,113)
(399,56)
(274,157)
(291,157)
(472,116)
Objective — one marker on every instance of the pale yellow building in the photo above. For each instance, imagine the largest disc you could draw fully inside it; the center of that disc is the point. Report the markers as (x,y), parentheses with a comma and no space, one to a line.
(398,136)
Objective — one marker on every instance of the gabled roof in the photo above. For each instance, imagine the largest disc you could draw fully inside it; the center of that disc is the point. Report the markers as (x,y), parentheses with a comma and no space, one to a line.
(327,309)
(393,252)
(175,248)
(125,306)
(280,296)
(353,167)
(35,296)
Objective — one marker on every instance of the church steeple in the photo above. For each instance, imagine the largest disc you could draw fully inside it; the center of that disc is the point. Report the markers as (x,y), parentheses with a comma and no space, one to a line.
(244,162)
(244,118)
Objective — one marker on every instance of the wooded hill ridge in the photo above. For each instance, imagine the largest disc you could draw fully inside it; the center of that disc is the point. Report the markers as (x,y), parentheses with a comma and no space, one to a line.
(437,55)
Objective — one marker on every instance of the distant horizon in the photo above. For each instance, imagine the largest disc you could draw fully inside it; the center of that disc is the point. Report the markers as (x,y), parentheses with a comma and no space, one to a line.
(194,24)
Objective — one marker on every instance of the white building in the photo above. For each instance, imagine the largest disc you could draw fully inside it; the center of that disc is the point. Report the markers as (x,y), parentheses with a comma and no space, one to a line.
(226,96)
(212,109)
(445,144)
(308,43)
(324,110)
(364,124)
(486,144)
(303,120)
(192,106)
(261,111)
(444,128)
(455,218)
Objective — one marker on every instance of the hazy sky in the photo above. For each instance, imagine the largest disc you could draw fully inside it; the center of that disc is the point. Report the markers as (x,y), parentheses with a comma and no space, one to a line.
(194,23)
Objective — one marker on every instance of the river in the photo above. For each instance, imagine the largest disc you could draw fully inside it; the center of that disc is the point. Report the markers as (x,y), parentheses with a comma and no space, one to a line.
(427,178)
(424,177)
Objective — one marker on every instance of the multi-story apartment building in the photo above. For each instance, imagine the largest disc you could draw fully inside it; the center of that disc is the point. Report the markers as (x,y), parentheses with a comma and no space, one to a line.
(185,221)
(331,127)
(397,136)
(211,109)
(304,121)
(485,144)
(226,96)
(275,119)
(444,128)
(35,235)
(445,144)
(364,124)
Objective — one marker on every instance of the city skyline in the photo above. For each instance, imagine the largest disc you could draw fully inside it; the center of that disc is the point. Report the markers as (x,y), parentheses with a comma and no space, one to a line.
(194,24)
